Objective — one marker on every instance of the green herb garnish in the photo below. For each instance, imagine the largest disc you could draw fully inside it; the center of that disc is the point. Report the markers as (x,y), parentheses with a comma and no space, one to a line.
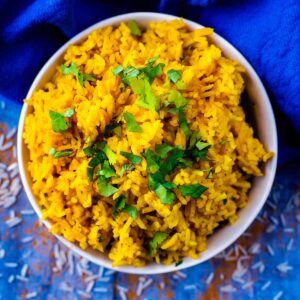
(89,151)
(106,170)
(105,189)
(192,190)
(131,124)
(117,70)
(210,173)
(73,70)
(178,263)
(202,145)
(183,123)
(112,157)
(156,241)
(162,150)
(122,206)
(59,123)
(69,113)
(174,75)
(152,160)
(135,159)
(225,201)
(171,162)
(134,28)
(113,127)
(180,85)
(59,154)
(176,98)
(125,168)
(98,159)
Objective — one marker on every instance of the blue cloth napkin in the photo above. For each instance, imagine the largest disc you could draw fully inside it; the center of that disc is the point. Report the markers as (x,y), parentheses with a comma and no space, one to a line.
(266,32)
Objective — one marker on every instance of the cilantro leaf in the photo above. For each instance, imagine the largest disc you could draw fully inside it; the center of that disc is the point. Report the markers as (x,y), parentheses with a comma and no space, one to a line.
(131,211)
(120,204)
(93,163)
(178,263)
(174,75)
(107,171)
(89,151)
(171,162)
(135,159)
(137,85)
(117,70)
(69,113)
(180,85)
(111,127)
(202,145)
(73,70)
(193,190)
(176,98)
(183,123)
(163,149)
(148,100)
(195,136)
(152,160)
(154,72)
(134,28)
(196,153)
(131,124)
(59,123)
(126,167)
(59,154)
(112,157)
(105,189)
(210,173)
(156,241)
(152,60)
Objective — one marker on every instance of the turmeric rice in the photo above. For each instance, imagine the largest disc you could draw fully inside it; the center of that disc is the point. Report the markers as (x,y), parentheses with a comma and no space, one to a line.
(139,146)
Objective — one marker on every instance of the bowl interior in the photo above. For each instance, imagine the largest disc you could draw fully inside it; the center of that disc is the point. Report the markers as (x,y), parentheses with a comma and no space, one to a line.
(266,129)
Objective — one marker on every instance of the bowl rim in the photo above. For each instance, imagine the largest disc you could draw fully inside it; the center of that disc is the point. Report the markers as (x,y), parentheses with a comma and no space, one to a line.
(150,268)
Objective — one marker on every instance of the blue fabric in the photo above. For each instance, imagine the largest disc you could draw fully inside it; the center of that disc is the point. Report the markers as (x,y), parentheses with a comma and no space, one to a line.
(266,32)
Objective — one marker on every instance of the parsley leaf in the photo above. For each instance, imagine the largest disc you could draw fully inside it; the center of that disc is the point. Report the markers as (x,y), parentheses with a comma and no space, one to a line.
(174,75)
(131,124)
(193,190)
(89,151)
(151,73)
(105,189)
(210,173)
(163,149)
(148,100)
(112,157)
(137,85)
(117,70)
(202,145)
(135,159)
(73,70)
(107,171)
(59,154)
(176,98)
(171,162)
(59,123)
(156,241)
(152,161)
(120,204)
(126,167)
(69,113)
(196,153)
(134,28)
(178,263)
(195,136)
(131,211)
(180,85)
(112,127)
(183,123)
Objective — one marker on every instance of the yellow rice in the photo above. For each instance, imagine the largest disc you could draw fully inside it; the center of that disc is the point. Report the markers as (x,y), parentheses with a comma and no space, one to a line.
(213,88)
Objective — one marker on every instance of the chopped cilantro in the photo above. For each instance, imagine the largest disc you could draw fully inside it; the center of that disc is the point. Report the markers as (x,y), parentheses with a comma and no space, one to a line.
(148,99)
(184,163)
(195,136)
(117,70)
(225,201)
(131,211)
(176,98)
(126,167)
(193,190)
(59,123)
(152,60)
(202,145)
(137,85)
(100,239)
(156,241)
(210,173)
(180,85)
(93,163)
(69,113)
(152,161)
(135,159)
(112,127)
(163,149)
(73,70)
(179,262)
(174,75)
(89,151)
(120,204)
(171,162)
(59,154)
(112,157)
(107,171)
(134,28)
(183,123)
(105,189)
(196,153)
(154,72)
(131,124)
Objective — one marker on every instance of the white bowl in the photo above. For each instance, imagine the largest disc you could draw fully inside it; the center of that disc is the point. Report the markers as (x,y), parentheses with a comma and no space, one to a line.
(266,128)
